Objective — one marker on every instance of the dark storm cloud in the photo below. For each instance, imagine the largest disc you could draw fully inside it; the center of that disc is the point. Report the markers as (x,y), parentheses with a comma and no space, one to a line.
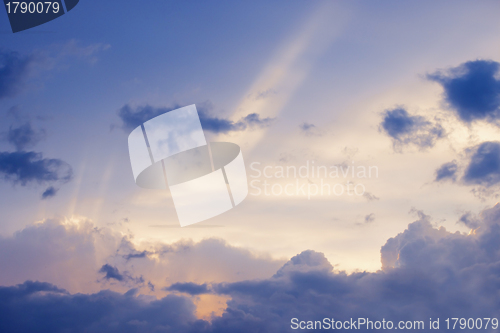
(189,288)
(24,136)
(37,307)
(132,118)
(427,272)
(447,171)
(484,165)
(14,69)
(405,129)
(29,167)
(472,89)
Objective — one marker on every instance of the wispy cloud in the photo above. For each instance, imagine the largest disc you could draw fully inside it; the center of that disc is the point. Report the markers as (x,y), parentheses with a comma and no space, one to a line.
(24,136)
(133,117)
(14,70)
(406,129)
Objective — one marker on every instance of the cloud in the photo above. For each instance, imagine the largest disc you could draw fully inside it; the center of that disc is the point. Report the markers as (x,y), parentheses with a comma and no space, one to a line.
(49,192)
(484,165)
(74,49)
(29,167)
(26,167)
(447,171)
(469,220)
(76,255)
(370,218)
(309,129)
(405,129)
(24,136)
(133,117)
(481,168)
(264,94)
(370,197)
(50,309)
(136,255)
(306,126)
(14,70)
(427,272)
(189,288)
(472,89)
(111,273)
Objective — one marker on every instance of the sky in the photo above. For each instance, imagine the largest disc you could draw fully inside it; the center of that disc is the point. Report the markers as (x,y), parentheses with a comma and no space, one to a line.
(370,135)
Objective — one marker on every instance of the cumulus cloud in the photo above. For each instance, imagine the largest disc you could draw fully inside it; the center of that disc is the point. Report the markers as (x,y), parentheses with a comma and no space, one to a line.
(472,90)
(469,220)
(405,129)
(427,272)
(51,309)
(24,136)
(14,70)
(133,117)
(76,255)
(29,167)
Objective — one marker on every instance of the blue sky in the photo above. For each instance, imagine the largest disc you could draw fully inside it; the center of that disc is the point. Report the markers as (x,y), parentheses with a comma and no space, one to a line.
(410,88)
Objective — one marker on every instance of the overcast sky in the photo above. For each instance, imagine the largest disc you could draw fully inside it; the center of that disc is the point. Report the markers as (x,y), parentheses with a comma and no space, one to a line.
(407,90)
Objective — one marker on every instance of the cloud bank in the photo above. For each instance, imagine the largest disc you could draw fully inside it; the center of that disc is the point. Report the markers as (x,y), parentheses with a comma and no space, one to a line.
(426,272)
